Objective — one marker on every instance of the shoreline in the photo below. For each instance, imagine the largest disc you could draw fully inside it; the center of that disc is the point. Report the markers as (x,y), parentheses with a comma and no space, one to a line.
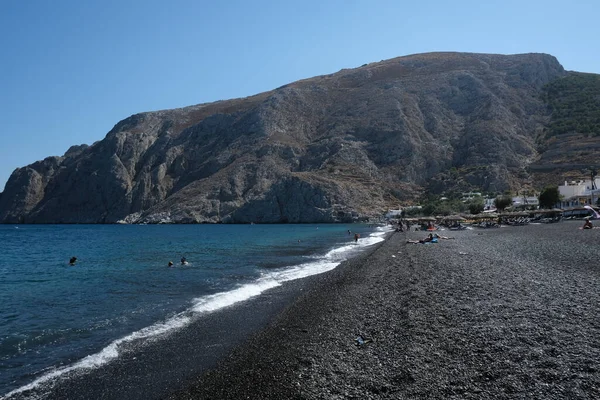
(496,313)
(152,367)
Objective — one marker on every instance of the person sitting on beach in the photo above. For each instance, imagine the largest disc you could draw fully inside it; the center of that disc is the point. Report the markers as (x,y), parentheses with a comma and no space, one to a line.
(73,260)
(587,224)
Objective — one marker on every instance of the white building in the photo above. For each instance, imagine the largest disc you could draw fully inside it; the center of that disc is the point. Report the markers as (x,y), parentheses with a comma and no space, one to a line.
(578,193)
(393,213)
(470,196)
(526,201)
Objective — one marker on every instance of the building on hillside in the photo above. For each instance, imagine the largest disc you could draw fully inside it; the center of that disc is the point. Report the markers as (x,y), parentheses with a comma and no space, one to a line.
(470,196)
(579,193)
(394,213)
(525,202)
(489,203)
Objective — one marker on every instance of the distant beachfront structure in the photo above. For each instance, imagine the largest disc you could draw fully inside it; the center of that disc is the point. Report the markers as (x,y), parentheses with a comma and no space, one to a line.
(578,193)
(393,213)
(517,202)
(526,201)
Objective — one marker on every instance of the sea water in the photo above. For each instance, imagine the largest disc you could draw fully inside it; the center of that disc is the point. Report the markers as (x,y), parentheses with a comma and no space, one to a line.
(56,317)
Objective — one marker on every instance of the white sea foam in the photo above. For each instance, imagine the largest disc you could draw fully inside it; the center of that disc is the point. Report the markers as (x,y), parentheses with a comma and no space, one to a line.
(301,271)
(206,304)
(225,299)
(371,240)
(107,354)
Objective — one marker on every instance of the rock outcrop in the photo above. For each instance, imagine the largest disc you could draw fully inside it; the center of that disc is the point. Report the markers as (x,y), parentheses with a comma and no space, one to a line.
(331,148)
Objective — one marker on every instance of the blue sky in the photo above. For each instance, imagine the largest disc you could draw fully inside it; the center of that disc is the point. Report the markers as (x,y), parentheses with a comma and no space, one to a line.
(70,70)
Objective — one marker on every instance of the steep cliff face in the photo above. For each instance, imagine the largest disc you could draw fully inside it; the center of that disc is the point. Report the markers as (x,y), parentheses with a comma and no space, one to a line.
(329,148)
(570,143)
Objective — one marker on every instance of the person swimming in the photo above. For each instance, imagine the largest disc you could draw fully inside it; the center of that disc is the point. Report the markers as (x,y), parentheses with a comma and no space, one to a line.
(356,236)
(73,260)
(183,261)
(170,263)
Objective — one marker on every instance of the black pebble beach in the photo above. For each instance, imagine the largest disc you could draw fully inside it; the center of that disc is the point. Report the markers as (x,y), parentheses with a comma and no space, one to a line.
(498,313)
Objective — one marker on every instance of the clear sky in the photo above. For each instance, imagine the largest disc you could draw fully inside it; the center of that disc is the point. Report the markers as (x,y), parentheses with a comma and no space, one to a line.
(71,69)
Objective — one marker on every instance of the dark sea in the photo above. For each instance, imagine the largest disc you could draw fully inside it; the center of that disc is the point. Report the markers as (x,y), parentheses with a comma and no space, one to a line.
(56,318)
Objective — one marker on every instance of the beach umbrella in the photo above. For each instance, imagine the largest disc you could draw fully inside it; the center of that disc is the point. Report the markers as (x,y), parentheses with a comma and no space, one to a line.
(485,216)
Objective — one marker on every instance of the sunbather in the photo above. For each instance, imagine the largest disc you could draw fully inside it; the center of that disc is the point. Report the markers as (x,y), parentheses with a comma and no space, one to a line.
(428,239)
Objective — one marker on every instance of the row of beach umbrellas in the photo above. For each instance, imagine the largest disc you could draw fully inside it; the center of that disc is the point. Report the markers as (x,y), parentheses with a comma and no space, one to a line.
(465,217)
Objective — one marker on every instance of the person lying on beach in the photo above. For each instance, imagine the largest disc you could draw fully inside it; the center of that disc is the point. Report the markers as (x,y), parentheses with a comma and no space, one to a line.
(428,239)
(587,224)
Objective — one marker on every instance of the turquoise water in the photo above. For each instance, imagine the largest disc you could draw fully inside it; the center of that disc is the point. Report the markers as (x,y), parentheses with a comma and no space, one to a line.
(56,317)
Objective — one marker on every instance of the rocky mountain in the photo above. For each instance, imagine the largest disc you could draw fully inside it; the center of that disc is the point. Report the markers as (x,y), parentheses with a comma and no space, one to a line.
(570,144)
(330,148)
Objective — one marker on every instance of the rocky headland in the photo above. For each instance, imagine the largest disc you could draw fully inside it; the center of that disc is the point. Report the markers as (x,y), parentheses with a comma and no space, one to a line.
(338,147)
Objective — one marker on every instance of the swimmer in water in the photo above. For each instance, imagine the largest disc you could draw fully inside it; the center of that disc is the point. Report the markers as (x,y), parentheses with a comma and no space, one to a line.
(183,261)
(170,263)
(73,260)
(356,236)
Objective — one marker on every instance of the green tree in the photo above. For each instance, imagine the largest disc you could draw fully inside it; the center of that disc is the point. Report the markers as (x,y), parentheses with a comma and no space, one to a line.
(549,197)
(411,212)
(501,202)
(476,206)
